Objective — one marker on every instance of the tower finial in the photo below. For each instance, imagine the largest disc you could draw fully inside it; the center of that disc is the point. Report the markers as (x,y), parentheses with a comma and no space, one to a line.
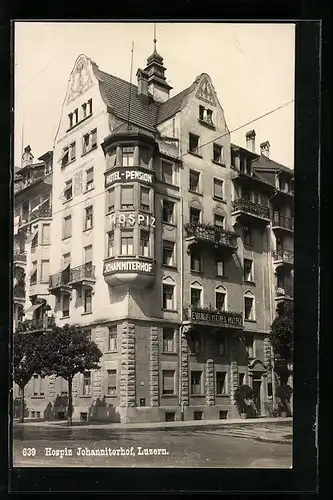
(154,37)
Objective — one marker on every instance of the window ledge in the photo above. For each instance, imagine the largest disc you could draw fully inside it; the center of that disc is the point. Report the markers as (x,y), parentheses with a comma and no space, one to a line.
(65,238)
(88,190)
(199,273)
(222,276)
(222,395)
(110,212)
(169,185)
(112,352)
(217,198)
(114,396)
(170,310)
(171,224)
(68,163)
(89,151)
(170,267)
(64,317)
(169,395)
(250,320)
(67,201)
(173,353)
(250,282)
(219,163)
(79,123)
(194,154)
(86,313)
(207,124)
(86,396)
(88,229)
(197,395)
(37,397)
(195,192)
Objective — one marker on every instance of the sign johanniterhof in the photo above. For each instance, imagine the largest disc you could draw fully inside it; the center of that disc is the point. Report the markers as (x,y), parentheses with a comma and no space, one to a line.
(128,266)
(128,174)
(216,318)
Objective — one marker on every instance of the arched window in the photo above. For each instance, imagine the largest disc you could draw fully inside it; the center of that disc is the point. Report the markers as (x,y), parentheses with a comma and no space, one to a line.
(168,294)
(249,306)
(196,294)
(221,298)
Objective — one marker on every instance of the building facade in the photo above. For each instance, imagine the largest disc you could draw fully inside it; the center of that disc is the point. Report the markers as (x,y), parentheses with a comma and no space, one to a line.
(169,244)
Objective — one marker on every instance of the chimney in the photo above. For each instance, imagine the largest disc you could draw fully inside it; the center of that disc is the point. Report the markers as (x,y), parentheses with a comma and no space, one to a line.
(264,148)
(251,141)
(27,157)
(142,77)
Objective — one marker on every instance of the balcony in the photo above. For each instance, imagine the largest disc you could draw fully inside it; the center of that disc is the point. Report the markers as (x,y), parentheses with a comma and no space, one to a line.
(60,282)
(132,271)
(284,292)
(281,223)
(283,257)
(205,316)
(82,276)
(19,293)
(36,325)
(40,213)
(20,258)
(201,234)
(248,212)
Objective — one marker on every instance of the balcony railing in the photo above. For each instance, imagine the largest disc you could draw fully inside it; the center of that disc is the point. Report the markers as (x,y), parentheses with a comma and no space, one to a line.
(20,256)
(60,279)
(284,222)
(82,273)
(19,291)
(285,256)
(40,213)
(212,234)
(250,207)
(37,325)
(285,291)
(213,317)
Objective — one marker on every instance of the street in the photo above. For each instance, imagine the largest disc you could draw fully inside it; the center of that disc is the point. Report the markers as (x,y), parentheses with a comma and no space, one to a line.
(232,446)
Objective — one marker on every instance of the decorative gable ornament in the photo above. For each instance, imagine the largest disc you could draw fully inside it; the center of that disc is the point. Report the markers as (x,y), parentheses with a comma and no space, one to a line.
(205,92)
(80,80)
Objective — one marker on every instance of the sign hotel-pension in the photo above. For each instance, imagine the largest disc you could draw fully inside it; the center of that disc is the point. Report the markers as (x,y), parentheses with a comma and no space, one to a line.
(128,174)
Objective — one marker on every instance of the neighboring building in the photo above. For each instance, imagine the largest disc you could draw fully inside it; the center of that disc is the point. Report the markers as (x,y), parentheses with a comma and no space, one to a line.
(163,248)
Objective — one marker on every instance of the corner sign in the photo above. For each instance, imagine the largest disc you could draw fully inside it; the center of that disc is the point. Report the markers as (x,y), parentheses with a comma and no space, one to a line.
(205,92)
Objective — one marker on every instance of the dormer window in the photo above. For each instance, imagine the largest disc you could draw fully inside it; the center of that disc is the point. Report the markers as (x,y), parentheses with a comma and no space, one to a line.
(206,115)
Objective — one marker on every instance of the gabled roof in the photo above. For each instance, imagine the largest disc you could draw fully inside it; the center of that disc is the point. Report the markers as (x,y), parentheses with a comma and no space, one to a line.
(265,163)
(172,105)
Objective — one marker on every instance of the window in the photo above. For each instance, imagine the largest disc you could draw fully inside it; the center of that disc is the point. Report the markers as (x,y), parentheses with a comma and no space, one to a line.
(241,378)
(221,346)
(87,300)
(63,387)
(66,260)
(88,218)
(168,340)
(112,341)
(219,221)
(94,138)
(218,189)
(89,179)
(75,116)
(233,158)
(196,385)
(168,253)
(247,236)
(209,117)
(110,249)
(248,270)
(217,153)
(206,115)
(67,227)
(250,346)
(220,302)
(196,344)
(196,261)
(194,143)
(45,273)
(127,242)
(195,297)
(195,215)
(144,199)
(84,110)
(201,113)
(68,191)
(168,381)
(194,181)
(86,143)
(168,211)
(89,141)
(45,234)
(65,305)
(38,385)
(90,106)
(87,384)
(249,306)
(110,200)
(128,156)
(112,383)
(221,383)
(220,268)
(87,251)
(167,172)
(127,199)
(144,243)
(168,297)
(70,116)
(33,277)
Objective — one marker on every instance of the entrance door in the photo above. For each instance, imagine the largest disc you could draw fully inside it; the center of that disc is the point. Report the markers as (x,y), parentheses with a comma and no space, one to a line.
(256,389)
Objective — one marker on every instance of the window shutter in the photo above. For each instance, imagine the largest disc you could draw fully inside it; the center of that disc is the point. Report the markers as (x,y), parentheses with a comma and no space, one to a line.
(88,254)
(168,381)
(90,175)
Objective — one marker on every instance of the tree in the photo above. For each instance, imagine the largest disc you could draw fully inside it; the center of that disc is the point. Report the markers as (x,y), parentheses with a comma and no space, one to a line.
(26,362)
(282,331)
(68,351)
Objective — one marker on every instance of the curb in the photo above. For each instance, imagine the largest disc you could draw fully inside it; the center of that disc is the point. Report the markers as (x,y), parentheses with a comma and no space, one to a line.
(275,441)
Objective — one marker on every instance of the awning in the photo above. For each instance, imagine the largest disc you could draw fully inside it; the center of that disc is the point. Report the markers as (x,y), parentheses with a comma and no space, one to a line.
(33,308)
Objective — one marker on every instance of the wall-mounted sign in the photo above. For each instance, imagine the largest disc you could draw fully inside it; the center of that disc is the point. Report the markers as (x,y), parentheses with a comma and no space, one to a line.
(214,318)
(128,174)
(130,219)
(128,266)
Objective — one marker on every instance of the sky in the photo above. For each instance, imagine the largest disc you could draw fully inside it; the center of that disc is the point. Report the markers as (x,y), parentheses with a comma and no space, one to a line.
(251,67)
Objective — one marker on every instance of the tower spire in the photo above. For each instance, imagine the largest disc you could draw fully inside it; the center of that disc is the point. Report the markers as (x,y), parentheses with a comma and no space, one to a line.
(155,40)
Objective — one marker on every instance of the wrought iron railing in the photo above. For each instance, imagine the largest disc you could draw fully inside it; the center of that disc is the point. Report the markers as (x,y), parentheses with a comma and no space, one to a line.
(251,207)
(211,233)
(213,316)
(60,278)
(38,324)
(284,255)
(86,271)
(281,221)
(20,256)
(19,291)
(285,291)
(40,213)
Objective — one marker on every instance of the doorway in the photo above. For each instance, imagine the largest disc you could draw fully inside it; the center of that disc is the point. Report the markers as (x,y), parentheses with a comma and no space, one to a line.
(256,386)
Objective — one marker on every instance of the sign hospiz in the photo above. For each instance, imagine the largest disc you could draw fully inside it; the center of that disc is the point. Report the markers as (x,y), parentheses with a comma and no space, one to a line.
(128,174)
(130,219)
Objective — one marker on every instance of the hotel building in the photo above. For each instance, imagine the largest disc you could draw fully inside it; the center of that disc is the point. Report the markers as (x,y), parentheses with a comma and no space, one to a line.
(170,244)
